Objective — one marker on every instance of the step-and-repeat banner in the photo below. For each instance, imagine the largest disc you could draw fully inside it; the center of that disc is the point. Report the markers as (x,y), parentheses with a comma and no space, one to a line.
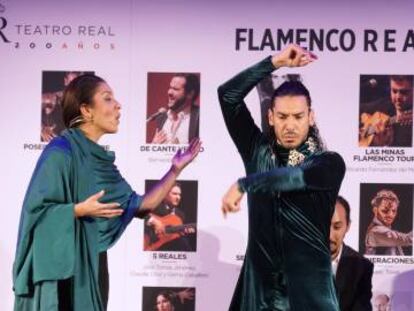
(148,51)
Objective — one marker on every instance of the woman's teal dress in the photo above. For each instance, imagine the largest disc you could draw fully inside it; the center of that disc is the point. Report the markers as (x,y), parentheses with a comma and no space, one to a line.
(52,244)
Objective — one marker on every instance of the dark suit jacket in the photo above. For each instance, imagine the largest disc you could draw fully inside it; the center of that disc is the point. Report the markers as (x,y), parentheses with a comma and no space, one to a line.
(353,281)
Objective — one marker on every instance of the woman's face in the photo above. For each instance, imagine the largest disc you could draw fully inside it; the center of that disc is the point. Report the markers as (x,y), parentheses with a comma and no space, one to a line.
(104,111)
(163,304)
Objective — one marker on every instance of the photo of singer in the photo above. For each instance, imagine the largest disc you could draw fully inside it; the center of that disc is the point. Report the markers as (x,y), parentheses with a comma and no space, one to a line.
(173,107)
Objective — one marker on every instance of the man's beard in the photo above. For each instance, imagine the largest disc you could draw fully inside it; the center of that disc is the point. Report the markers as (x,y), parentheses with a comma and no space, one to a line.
(178,105)
(290,145)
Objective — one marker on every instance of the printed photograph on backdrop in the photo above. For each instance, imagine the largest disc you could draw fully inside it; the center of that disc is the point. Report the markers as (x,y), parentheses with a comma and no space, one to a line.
(386,219)
(381,302)
(386,111)
(168,298)
(397,301)
(173,107)
(53,84)
(172,226)
(265,89)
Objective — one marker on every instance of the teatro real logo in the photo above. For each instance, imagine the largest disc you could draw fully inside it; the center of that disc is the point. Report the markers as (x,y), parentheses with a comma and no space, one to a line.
(3,24)
(55,36)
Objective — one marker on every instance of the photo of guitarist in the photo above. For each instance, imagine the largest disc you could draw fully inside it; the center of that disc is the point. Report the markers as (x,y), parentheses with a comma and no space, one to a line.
(386,119)
(166,228)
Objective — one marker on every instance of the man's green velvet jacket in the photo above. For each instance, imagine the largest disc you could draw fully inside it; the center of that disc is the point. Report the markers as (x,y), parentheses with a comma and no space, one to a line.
(287,264)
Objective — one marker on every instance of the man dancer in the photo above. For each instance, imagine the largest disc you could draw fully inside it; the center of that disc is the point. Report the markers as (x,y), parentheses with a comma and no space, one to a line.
(292,185)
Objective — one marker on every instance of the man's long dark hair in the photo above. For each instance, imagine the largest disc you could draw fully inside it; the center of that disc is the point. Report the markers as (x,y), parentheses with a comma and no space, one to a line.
(296,88)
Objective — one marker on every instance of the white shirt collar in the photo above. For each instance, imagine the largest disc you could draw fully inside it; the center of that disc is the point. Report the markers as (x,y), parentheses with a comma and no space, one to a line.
(335,262)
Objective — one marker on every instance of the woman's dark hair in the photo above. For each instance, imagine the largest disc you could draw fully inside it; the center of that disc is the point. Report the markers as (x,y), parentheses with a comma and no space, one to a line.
(169,295)
(78,92)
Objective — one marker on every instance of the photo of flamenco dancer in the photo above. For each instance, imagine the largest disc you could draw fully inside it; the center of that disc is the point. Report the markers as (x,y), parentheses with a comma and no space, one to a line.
(386,219)
(168,299)
(172,226)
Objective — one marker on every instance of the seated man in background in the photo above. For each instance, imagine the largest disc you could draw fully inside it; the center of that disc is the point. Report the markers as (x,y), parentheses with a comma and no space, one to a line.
(353,272)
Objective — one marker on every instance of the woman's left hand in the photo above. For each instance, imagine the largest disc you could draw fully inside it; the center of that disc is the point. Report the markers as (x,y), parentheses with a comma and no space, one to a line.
(182,159)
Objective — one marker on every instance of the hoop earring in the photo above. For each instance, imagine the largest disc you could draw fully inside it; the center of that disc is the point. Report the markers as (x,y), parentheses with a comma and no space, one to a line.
(76,121)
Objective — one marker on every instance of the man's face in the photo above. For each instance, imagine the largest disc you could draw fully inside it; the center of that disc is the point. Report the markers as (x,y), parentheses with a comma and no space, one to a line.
(176,93)
(381,303)
(48,102)
(401,94)
(386,211)
(339,227)
(173,197)
(291,118)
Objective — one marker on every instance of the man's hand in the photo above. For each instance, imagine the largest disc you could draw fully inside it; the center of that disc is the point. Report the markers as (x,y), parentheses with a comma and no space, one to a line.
(47,133)
(188,230)
(293,56)
(159,137)
(186,294)
(384,134)
(231,200)
(157,224)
